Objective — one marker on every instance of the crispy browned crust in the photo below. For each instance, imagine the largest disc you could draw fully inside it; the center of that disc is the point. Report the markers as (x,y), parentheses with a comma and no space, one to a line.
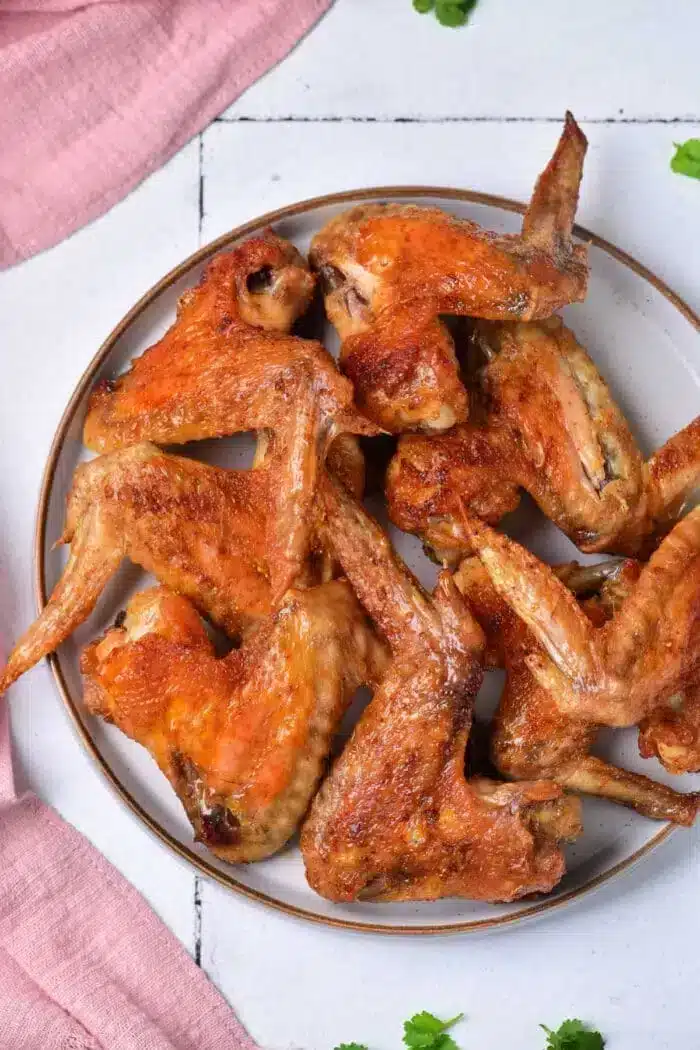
(549,426)
(621,672)
(390,270)
(672,734)
(531,737)
(228,364)
(243,739)
(404,389)
(207,533)
(396,819)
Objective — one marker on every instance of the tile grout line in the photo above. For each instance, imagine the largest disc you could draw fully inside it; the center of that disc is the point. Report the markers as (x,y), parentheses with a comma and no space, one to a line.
(200,197)
(350,119)
(198,920)
(197,904)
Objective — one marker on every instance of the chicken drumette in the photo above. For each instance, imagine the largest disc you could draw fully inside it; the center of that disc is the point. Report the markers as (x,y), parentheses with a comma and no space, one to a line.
(621,672)
(672,733)
(199,529)
(549,426)
(397,819)
(390,271)
(244,739)
(228,364)
(530,736)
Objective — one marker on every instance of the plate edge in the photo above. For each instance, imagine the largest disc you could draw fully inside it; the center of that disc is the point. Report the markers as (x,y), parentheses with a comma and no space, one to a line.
(86,379)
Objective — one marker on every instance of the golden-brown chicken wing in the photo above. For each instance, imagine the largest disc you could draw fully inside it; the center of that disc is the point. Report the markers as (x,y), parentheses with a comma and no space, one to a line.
(243,739)
(672,733)
(549,426)
(531,737)
(389,271)
(199,529)
(228,364)
(623,671)
(396,819)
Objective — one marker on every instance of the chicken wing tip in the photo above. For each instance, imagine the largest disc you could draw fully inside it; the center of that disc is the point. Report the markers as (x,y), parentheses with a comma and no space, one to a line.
(549,219)
(572,129)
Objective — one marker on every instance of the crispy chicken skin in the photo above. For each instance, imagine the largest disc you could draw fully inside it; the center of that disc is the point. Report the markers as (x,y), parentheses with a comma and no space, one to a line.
(396,819)
(531,737)
(389,271)
(244,739)
(549,426)
(199,529)
(228,364)
(621,672)
(672,733)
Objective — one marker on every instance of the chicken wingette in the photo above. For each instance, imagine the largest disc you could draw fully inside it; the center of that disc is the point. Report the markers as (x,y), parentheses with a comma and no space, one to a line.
(396,819)
(390,271)
(243,739)
(548,426)
(229,364)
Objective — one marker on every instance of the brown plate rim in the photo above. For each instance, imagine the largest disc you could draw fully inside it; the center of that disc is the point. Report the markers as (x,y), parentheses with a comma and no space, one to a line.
(200,863)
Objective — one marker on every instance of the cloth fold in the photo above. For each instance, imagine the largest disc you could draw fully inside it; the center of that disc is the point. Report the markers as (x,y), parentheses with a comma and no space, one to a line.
(98,95)
(84,962)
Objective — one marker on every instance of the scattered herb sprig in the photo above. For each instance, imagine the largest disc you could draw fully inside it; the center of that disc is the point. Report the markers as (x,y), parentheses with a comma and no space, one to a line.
(686,159)
(573,1035)
(424,1031)
(451,13)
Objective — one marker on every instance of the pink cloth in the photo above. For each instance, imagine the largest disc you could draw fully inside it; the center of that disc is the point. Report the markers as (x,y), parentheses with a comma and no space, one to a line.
(96,95)
(84,962)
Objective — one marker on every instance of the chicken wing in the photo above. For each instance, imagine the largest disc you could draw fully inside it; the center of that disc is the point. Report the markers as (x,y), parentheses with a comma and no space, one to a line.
(228,364)
(396,819)
(549,426)
(531,737)
(244,739)
(635,663)
(389,271)
(199,529)
(672,733)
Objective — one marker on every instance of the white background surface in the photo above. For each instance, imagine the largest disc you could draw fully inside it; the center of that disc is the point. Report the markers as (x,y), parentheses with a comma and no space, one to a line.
(376,95)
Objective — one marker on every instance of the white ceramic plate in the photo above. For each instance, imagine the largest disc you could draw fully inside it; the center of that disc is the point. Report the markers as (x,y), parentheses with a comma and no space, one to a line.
(646,343)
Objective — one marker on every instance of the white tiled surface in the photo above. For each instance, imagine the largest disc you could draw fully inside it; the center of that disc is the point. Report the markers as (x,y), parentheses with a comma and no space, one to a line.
(602,58)
(626,957)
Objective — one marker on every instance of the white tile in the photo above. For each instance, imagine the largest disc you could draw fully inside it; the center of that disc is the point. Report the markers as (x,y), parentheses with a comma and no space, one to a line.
(378,58)
(629,194)
(296,985)
(626,959)
(55,310)
(622,959)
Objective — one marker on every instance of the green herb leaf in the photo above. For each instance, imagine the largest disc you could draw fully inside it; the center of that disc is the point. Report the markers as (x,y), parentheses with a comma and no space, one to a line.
(686,160)
(451,13)
(573,1035)
(447,12)
(351,1046)
(424,1031)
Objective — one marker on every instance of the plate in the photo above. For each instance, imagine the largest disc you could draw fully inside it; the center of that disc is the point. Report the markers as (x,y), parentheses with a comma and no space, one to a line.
(646,342)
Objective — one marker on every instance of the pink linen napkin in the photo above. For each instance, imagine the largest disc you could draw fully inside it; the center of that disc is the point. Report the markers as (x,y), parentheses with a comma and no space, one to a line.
(84,962)
(96,95)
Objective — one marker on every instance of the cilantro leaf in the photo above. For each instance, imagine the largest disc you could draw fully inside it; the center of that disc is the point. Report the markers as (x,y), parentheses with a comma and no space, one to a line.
(350,1046)
(451,13)
(424,1031)
(573,1035)
(448,12)
(686,160)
